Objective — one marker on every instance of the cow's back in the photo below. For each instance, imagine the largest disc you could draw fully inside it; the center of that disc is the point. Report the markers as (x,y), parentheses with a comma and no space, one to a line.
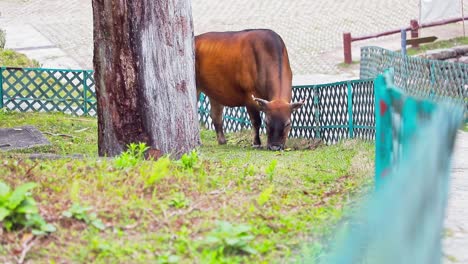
(233,66)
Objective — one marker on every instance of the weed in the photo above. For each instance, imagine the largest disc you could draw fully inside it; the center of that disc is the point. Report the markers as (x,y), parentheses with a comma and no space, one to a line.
(18,209)
(81,213)
(179,201)
(265,196)
(159,170)
(189,160)
(249,170)
(168,258)
(132,156)
(270,170)
(230,239)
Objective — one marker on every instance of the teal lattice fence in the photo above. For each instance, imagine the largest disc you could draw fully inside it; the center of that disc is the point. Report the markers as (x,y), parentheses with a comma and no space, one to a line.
(402,221)
(331,112)
(418,76)
(47,90)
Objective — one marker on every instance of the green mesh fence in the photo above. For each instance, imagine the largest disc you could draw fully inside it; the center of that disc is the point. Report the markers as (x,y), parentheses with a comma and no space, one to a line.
(402,221)
(48,90)
(331,112)
(418,76)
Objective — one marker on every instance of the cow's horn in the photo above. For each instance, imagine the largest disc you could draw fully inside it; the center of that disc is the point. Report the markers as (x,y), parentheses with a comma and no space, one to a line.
(296,105)
(261,101)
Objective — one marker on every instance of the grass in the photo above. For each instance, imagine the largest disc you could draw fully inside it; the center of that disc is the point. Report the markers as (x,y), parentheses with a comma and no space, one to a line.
(345,65)
(11,58)
(442,44)
(68,135)
(220,204)
(465,127)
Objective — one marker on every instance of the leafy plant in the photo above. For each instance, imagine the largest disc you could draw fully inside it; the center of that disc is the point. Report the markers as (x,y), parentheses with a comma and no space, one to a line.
(134,154)
(249,170)
(230,239)
(81,213)
(160,170)
(264,197)
(15,59)
(168,258)
(18,209)
(179,201)
(270,170)
(189,160)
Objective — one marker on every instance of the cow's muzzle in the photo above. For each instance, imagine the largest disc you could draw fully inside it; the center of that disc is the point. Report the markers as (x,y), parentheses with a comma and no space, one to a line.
(276,147)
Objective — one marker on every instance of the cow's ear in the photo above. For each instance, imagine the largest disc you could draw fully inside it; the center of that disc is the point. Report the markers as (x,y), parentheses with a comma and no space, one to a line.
(297,105)
(262,103)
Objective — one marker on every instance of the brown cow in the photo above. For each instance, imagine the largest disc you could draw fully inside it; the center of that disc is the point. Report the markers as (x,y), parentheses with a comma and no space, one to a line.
(247,68)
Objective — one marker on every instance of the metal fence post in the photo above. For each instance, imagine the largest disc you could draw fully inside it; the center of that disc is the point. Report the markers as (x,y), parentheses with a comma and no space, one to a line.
(1,86)
(350,110)
(317,113)
(414,25)
(85,92)
(403,42)
(347,39)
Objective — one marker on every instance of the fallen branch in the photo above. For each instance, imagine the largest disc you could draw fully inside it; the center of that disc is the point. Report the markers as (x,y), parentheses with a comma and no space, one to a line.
(82,130)
(26,248)
(58,135)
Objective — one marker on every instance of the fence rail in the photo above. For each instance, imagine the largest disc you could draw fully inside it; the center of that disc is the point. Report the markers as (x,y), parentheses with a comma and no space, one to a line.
(331,111)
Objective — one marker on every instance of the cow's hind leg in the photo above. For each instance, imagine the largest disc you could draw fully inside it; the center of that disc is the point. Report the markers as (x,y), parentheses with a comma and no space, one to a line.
(217,117)
(256,123)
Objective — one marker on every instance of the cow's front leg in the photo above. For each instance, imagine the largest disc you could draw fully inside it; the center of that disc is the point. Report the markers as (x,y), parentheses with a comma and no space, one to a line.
(256,123)
(217,117)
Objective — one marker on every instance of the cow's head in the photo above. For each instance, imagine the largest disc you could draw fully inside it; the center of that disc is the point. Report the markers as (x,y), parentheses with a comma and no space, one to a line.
(277,120)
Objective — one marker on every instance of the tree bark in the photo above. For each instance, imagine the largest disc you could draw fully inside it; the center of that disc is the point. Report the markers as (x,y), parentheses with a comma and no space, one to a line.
(145,75)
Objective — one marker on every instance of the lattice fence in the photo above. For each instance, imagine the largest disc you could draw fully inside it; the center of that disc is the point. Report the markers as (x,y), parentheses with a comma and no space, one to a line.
(402,221)
(418,76)
(331,111)
(48,90)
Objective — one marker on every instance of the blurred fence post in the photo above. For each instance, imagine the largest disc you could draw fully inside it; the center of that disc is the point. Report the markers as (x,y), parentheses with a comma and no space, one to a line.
(403,42)
(414,25)
(348,57)
(1,86)
(350,110)
(85,93)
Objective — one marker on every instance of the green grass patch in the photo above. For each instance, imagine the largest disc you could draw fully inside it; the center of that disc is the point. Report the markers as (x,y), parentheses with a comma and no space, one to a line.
(345,65)
(219,204)
(68,135)
(11,58)
(442,44)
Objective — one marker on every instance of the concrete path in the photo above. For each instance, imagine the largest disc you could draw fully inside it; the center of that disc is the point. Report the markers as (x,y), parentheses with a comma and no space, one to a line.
(312,30)
(456,222)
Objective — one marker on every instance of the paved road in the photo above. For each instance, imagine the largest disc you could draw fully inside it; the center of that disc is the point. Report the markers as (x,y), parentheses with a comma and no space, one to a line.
(312,29)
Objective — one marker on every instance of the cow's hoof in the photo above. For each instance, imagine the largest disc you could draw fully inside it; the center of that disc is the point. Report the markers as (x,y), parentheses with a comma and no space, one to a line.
(257,146)
(222,142)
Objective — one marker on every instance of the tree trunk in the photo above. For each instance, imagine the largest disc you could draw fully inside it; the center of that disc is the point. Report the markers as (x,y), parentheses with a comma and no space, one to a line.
(145,75)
